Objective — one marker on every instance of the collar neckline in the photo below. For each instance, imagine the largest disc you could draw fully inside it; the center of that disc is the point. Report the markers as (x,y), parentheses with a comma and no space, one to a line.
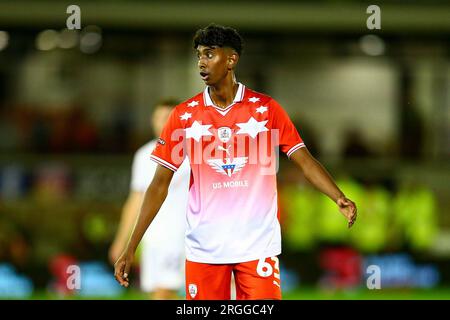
(238,98)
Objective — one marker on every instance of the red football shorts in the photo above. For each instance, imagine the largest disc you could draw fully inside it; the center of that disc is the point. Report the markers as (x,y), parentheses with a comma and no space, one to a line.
(255,280)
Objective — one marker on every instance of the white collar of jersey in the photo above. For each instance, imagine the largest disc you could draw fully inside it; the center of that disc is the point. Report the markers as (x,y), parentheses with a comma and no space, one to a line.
(238,98)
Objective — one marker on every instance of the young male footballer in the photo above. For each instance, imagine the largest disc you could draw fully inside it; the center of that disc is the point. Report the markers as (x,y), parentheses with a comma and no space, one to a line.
(231,135)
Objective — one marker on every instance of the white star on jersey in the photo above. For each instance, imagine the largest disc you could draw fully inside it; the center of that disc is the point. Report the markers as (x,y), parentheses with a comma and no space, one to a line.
(252,127)
(197,130)
(261,109)
(253,99)
(186,116)
(193,104)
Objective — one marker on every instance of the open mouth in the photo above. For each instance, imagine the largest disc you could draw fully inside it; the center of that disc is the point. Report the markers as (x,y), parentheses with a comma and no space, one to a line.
(204,76)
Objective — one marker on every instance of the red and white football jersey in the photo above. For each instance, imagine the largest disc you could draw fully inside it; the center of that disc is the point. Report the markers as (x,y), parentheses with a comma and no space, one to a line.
(232,214)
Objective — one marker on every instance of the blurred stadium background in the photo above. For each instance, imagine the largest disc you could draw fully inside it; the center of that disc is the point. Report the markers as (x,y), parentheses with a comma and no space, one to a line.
(372,105)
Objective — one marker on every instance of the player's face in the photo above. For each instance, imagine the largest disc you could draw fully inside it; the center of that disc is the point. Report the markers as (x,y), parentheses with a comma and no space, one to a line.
(213,64)
(160,117)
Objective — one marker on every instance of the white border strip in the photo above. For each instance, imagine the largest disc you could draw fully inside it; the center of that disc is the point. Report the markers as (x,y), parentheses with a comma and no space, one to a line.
(164,163)
(295,148)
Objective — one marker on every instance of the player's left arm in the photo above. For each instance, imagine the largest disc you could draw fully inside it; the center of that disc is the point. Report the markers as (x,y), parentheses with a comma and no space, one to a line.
(318,176)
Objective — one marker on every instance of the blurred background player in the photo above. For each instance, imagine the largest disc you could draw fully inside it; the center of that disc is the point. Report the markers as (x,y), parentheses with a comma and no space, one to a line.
(162,258)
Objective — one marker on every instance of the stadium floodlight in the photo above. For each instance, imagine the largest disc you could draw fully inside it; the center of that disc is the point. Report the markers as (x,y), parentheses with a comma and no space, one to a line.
(47,40)
(372,45)
(4,40)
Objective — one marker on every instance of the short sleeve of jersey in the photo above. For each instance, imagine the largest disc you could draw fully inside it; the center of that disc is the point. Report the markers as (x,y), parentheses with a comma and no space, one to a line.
(169,149)
(289,138)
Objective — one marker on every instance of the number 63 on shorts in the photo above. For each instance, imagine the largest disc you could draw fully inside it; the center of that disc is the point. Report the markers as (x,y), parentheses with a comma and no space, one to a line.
(256,279)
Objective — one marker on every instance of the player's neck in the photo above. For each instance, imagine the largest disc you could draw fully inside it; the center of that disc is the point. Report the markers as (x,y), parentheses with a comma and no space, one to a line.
(223,94)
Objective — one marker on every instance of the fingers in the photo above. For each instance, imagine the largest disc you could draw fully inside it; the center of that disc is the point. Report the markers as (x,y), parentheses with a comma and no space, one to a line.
(349,210)
(350,223)
(126,271)
(118,271)
(120,274)
(352,216)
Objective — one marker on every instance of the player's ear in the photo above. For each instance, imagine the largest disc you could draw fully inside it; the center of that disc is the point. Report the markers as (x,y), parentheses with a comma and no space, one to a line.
(233,59)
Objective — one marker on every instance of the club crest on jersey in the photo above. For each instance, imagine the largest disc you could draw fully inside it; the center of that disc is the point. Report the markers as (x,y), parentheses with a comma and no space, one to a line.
(229,167)
(224,134)
(161,141)
(192,290)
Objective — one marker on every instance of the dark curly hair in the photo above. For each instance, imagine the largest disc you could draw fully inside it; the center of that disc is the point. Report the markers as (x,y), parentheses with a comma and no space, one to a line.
(217,35)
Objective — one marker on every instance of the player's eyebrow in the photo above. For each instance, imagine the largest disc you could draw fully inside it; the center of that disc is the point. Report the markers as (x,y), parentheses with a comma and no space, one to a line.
(207,49)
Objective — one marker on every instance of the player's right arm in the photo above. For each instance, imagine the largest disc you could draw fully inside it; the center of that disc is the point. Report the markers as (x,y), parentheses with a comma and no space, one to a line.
(129,215)
(153,199)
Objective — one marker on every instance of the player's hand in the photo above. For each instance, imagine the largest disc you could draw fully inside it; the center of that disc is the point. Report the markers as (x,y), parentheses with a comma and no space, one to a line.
(122,268)
(348,208)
